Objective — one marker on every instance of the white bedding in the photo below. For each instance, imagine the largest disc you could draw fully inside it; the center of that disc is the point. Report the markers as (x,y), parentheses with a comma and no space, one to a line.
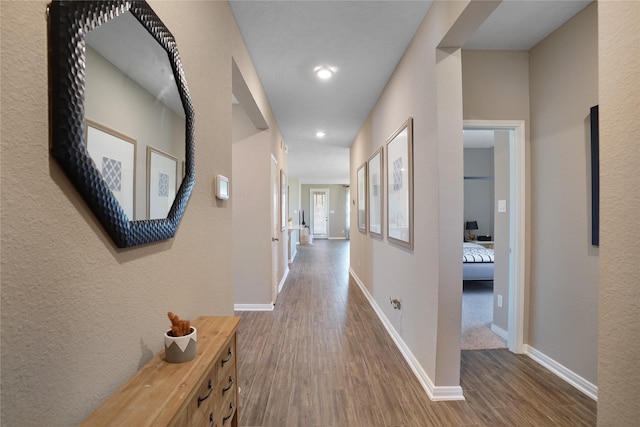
(477,262)
(472,252)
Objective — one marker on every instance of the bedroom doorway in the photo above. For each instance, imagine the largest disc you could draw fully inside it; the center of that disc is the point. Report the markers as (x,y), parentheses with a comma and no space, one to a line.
(507,230)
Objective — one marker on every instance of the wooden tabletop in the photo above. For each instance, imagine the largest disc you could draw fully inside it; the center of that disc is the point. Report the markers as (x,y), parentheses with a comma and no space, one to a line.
(161,390)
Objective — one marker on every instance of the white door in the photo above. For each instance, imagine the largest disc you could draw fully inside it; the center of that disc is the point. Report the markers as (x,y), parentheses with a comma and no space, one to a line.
(275,230)
(319,200)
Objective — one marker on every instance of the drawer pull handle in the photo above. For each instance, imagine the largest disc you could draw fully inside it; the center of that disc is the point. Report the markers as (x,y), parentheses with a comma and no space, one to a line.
(231,410)
(211,419)
(229,357)
(202,399)
(227,388)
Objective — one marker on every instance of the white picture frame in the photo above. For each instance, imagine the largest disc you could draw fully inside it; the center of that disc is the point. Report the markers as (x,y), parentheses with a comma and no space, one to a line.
(375,187)
(400,186)
(162,170)
(115,157)
(361,208)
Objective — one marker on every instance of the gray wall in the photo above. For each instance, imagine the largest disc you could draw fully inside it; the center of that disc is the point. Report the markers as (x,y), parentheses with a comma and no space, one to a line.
(619,296)
(65,287)
(479,193)
(425,86)
(294,200)
(563,303)
(337,207)
(252,151)
(59,265)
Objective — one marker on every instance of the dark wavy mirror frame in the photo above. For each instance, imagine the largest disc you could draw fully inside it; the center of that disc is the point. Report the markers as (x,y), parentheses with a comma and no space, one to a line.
(69,22)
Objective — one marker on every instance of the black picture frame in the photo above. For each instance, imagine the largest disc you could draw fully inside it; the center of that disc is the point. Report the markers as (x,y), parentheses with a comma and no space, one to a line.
(595,176)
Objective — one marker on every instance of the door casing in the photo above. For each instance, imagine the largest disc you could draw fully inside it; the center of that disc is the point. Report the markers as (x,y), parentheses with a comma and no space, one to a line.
(517,224)
(312,219)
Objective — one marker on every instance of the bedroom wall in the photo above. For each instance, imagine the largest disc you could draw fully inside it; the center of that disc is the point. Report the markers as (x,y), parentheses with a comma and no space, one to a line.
(619,297)
(563,296)
(479,193)
(65,287)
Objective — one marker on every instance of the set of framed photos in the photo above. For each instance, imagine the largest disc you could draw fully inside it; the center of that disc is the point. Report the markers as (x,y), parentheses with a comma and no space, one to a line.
(115,157)
(395,159)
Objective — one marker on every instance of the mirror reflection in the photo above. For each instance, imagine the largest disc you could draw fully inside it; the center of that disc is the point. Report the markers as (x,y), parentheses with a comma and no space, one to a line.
(134,117)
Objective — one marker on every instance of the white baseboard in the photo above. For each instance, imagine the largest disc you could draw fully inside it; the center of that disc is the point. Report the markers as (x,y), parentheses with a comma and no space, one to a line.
(262,307)
(434,393)
(563,372)
(253,307)
(500,332)
(337,238)
(284,278)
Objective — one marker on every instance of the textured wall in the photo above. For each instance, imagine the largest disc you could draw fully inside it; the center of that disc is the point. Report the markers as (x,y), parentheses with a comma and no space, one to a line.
(430,321)
(79,316)
(619,297)
(563,295)
(337,201)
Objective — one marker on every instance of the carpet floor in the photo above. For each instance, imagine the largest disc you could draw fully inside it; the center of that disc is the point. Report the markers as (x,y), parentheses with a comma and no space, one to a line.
(477,316)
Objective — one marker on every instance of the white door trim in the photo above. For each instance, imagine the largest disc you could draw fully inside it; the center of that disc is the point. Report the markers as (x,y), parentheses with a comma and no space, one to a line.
(275,228)
(517,225)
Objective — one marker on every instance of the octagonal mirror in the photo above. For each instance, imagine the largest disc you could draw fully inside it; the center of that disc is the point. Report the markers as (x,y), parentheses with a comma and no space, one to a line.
(122,122)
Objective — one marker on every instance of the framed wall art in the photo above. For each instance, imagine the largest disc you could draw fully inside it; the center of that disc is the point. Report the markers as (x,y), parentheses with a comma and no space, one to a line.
(114,154)
(374,179)
(362,198)
(595,177)
(162,169)
(400,186)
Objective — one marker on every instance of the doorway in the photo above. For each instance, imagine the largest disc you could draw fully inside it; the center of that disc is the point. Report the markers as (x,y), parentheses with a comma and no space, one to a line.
(275,228)
(319,201)
(512,208)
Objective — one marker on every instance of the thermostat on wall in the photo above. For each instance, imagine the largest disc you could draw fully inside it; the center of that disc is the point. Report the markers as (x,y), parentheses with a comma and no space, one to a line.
(222,187)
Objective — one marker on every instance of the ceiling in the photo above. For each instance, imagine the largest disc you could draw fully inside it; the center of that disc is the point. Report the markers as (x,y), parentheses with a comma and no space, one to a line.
(363,41)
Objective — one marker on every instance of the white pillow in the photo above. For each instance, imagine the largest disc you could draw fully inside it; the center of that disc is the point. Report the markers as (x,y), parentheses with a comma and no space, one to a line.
(472,245)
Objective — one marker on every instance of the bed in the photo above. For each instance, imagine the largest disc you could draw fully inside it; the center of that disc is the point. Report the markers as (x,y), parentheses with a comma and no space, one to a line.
(477,262)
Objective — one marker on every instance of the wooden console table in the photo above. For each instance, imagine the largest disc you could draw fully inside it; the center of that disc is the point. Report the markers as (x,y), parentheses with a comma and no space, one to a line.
(201,392)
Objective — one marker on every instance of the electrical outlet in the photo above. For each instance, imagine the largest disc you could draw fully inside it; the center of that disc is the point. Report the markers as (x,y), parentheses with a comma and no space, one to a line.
(396,303)
(499,301)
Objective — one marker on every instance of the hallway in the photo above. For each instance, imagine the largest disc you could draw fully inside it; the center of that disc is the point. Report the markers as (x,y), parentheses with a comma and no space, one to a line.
(323,358)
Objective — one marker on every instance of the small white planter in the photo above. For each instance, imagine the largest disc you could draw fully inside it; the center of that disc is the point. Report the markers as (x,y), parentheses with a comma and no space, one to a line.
(180,349)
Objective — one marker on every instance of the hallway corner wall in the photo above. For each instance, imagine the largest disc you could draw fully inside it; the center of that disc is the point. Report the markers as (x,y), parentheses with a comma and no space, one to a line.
(79,316)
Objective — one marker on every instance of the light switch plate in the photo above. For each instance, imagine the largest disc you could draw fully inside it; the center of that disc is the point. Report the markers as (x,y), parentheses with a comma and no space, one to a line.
(502,205)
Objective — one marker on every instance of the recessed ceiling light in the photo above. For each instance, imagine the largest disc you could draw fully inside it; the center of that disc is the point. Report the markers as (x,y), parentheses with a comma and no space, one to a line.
(324,72)
(320,134)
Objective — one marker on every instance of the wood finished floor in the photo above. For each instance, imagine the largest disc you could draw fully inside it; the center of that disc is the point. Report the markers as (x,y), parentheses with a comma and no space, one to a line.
(323,358)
